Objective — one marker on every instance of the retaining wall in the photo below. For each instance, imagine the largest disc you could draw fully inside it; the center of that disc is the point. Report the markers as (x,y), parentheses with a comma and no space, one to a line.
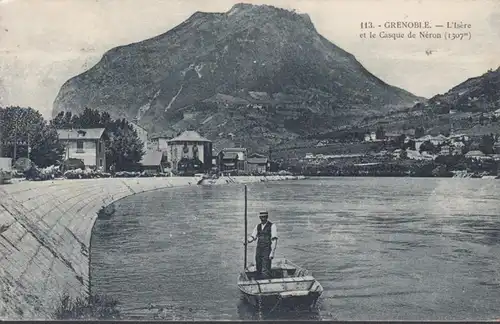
(45,230)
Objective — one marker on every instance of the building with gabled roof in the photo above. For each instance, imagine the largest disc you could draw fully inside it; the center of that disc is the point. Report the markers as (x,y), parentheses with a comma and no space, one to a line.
(86,144)
(190,150)
(189,136)
(151,161)
(233,159)
(258,163)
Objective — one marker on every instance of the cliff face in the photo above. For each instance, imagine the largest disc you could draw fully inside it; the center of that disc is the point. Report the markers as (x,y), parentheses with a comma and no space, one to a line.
(255,75)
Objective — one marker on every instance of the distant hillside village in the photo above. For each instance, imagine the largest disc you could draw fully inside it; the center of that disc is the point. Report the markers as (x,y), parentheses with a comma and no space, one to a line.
(399,153)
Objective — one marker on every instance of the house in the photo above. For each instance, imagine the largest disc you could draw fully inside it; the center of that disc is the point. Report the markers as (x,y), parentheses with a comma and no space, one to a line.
(233,159)
(396,154)
(86,144)
(475,155)
(436,140)
(151,162)
(392,136)
(457,148)
(496,147)
(158,143)
(370,137)
(258,163)
(445,150)
(190,152)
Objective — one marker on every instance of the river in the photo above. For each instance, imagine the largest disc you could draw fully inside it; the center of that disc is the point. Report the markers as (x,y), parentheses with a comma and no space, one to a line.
(383,248)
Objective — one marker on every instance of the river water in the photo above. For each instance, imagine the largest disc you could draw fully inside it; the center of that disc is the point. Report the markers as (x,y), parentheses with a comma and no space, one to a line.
(383,248)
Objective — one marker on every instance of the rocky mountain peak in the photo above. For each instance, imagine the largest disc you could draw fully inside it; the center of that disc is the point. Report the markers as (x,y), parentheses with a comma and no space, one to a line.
(260,73)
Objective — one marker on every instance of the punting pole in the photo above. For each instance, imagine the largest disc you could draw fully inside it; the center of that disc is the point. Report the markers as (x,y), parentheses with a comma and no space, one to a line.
(246,230)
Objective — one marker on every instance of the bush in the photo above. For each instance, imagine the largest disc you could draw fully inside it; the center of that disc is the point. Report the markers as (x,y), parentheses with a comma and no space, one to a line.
(37,174)
(95,307)
(85,174)
(72,164)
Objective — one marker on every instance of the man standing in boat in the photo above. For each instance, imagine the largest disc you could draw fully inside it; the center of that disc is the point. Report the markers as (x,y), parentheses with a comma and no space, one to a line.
(267,238)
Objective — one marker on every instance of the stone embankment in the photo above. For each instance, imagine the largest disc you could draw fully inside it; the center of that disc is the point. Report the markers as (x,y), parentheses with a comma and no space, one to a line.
(45,230)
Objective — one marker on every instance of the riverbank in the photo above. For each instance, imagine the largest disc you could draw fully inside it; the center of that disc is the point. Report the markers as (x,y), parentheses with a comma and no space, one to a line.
(45,231)
(443,167)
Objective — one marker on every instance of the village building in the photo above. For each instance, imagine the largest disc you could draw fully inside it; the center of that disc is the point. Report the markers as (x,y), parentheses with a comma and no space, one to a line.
(476,154)
(158,143)
(151,162)
(370,137)
(396,154)
(232,159)
(258,163)
(445,150)
(392,136)
(85,144)
(496,147)
(435,140)
(189,151)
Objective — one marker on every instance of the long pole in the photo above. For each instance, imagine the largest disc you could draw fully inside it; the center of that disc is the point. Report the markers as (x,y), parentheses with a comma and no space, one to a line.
(15,143)
(246,230)
(1,136)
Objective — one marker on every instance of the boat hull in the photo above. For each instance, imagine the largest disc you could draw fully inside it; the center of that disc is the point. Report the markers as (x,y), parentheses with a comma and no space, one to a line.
(289,286)
(293,302)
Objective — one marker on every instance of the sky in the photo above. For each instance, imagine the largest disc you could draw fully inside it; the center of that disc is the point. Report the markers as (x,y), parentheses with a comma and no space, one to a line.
(44,43)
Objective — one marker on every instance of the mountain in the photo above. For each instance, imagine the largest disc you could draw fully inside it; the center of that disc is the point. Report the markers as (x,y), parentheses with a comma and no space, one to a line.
(478,94)
(471,104)
(253,76)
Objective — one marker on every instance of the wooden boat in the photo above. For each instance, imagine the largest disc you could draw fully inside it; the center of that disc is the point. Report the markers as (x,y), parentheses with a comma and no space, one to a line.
(289,284)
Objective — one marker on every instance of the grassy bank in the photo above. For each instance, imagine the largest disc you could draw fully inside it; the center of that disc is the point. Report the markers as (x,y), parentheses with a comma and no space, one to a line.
(95,307)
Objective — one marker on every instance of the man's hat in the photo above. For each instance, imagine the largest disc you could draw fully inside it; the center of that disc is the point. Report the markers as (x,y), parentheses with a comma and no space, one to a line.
(263,214)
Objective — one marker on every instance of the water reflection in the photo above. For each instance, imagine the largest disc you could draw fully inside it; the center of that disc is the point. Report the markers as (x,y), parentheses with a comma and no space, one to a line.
(249,312)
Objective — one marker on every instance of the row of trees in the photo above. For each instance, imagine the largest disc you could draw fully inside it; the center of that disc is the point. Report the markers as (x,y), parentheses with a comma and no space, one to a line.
(25,133)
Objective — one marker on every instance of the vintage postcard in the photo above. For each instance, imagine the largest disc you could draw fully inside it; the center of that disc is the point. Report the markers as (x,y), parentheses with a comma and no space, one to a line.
(260,160)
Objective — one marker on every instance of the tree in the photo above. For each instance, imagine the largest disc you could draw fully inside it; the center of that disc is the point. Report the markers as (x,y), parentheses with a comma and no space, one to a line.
(419,132)
(380,133)
(124,149)
(487,144)
(23,130)
(428,146)
(404,154)
(410,145)
(482,119)
(400,141)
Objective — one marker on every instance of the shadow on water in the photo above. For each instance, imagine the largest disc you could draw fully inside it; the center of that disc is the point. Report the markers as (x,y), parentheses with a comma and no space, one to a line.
(247,311)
